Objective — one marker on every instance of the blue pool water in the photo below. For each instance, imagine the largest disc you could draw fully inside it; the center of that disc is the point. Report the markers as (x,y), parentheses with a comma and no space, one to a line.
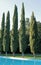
(7,61)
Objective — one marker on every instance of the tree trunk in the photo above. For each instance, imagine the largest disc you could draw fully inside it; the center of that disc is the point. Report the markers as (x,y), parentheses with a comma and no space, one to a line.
(22,54)
(14,54)
(34,55)
(6,53)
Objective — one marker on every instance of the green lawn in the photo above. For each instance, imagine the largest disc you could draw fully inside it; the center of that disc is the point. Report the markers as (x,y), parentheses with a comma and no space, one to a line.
(30,56)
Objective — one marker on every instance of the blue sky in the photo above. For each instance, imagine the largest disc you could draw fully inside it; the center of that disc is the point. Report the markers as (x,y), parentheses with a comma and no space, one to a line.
(30,5)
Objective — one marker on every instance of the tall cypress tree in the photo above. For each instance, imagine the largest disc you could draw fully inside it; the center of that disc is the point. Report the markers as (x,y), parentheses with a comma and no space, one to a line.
(33,34)
(22,33)
(2,30)
(14,38)
(6,40)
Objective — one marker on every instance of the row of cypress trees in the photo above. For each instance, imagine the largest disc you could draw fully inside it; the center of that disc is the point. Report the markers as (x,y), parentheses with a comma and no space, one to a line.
(5,33)
(11,43)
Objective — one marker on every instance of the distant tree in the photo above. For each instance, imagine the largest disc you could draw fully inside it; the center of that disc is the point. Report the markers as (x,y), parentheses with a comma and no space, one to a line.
(2,31)
(6,40)
(33,34)
(14,36)
(22,31)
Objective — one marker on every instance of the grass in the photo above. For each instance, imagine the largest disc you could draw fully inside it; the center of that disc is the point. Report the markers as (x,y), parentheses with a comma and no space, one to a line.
(29,56)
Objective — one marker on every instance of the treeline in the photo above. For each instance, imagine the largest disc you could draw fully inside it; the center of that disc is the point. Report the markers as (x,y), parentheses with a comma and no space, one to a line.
(25,40)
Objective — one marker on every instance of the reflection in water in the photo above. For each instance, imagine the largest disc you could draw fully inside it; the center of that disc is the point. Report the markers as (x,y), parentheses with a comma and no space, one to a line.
(22,62)
(12,62)
(34,62)
(5,61)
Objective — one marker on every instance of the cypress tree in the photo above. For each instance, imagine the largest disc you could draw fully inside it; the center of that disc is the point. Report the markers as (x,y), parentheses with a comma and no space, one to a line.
(0,43)
(22,32)
(2,31)
(38,48)
(14,37)
(6,40)
(33,34)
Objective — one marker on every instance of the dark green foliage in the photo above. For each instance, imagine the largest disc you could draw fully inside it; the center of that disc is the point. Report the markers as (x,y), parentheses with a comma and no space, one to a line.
(2,30)
(33,34)
(1,49)
(27,25)
(6,40)
(39,38)
(39,29)
(26,39)
(22,31)
(14,36)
